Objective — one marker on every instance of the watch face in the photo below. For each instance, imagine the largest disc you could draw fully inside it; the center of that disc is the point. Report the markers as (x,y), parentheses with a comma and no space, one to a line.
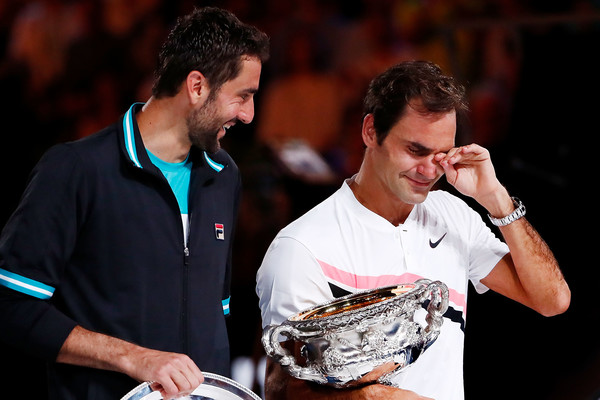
(214,387)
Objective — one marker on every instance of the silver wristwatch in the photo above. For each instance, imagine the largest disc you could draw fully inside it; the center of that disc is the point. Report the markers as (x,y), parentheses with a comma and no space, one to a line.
(513,216)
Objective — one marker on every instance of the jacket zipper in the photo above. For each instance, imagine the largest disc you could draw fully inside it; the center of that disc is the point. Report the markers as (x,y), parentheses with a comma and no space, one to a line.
(184,301)
(186,255)
(185,284)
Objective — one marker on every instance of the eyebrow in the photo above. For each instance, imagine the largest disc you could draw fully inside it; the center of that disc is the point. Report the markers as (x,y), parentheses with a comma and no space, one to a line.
(249,91)
(420,148)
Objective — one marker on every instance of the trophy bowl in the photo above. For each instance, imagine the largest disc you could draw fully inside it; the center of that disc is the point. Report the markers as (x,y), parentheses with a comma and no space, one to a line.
(362,337)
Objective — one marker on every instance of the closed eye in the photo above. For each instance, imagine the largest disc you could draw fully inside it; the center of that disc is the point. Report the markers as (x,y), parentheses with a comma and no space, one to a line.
(247,95)
(418,149)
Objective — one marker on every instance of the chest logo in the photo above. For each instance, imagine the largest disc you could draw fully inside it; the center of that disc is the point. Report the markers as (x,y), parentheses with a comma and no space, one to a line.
(219,232)
(433,245)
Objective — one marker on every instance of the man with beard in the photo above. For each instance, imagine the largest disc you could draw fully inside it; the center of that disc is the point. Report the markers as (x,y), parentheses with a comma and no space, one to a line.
(115,267)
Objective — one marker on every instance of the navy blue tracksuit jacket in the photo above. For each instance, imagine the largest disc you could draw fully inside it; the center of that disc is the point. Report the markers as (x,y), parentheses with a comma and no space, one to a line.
(97,240)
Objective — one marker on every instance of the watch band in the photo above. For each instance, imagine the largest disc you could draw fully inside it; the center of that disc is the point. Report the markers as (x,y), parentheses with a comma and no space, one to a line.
(513,216)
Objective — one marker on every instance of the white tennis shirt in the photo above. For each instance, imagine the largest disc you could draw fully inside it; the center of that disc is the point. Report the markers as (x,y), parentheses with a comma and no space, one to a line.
(342,247)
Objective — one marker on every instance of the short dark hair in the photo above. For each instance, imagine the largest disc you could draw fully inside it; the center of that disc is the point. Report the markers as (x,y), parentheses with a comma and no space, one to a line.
(209,40)
(389,94)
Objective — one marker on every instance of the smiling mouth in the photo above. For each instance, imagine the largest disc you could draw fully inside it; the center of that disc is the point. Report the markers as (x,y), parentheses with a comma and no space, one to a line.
(228,125)
(225,127)
(419,183)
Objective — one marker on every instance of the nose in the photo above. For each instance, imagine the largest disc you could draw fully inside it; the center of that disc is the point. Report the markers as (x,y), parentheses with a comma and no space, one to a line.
(429,169)
(246,114)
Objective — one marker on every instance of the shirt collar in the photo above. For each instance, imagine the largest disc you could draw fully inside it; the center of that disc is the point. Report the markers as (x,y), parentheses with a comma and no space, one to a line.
(136,152)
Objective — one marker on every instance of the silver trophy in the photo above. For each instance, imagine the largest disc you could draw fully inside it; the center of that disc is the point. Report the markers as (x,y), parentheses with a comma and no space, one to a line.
(363,337)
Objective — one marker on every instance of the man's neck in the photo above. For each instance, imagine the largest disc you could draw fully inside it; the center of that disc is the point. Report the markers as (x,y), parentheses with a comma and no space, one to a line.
(386,206)
(162,124)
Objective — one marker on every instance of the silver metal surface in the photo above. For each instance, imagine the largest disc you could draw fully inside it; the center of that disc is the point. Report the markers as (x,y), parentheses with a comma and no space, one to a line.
(214,387)
(362,337)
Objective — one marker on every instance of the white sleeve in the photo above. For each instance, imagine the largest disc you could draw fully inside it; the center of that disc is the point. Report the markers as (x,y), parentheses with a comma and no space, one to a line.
(289,280)
(483,249)
(486,252)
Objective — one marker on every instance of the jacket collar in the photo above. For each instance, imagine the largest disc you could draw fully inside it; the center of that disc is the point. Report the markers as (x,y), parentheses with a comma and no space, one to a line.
(135,152)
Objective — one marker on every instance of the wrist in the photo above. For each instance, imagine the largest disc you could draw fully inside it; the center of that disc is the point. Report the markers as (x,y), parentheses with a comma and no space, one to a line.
(126,357)
(498,204)
(519,212)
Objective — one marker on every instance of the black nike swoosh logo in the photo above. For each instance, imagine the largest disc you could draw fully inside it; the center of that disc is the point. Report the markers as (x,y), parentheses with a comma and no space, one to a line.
(435,244)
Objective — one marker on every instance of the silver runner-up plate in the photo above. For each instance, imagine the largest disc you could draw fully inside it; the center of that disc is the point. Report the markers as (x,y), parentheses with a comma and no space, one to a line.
(214,387)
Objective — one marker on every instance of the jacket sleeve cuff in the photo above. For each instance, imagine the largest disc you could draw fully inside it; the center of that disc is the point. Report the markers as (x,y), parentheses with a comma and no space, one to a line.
(49,334)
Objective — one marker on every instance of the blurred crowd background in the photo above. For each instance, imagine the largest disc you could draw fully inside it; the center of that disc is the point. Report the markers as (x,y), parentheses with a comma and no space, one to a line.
(71,67)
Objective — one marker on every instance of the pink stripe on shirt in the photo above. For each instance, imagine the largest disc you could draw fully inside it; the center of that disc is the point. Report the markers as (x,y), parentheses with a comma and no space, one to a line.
(365,282)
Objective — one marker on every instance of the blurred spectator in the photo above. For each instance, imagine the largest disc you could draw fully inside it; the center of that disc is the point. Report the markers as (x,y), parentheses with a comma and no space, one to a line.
(304,102)
(120,17)
(493,92)
(40,37)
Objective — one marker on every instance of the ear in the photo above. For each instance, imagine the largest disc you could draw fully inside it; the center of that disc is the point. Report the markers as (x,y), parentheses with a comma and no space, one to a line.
(368,131)
(197,88)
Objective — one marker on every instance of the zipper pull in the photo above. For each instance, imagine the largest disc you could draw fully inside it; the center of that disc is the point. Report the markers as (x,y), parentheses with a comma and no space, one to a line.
(186,255)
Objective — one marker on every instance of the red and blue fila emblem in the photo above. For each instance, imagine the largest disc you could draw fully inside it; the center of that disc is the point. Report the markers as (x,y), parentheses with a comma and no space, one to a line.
(219,232)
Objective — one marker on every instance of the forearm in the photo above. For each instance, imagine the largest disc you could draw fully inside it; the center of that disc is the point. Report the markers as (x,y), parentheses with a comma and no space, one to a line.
(538,271)
(534,277)
(175,374)
(90,349)
(279,385)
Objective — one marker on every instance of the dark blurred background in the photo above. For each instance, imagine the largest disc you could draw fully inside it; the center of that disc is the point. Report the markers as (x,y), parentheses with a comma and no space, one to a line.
(68,68)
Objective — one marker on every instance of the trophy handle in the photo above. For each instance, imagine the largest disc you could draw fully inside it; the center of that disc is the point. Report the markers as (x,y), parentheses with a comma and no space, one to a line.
(273,348)
(438,292)
(270,340)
